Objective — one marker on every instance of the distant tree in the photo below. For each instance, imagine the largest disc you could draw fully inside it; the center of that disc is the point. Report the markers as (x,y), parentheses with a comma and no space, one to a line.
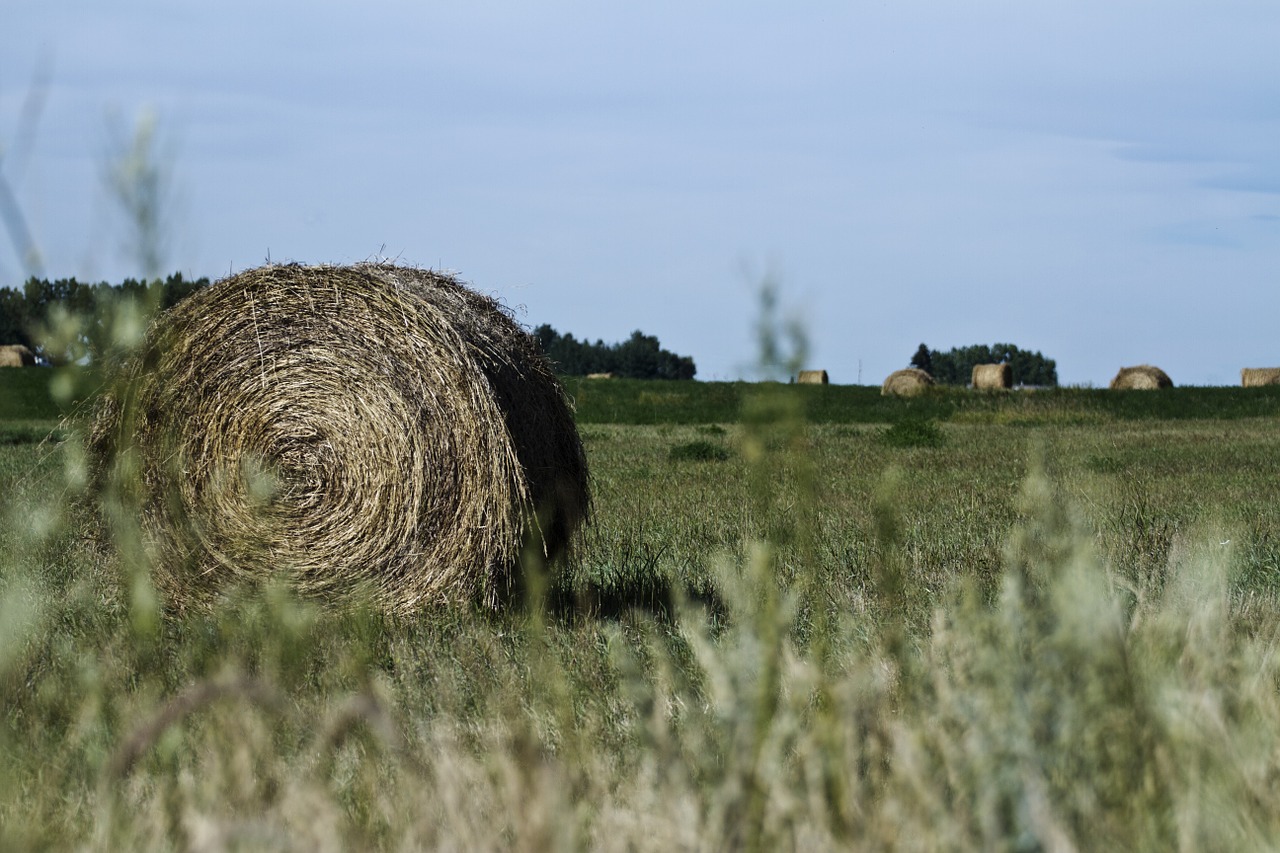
(955,367)
(14,320)
(25,312)
(639,357)
(923,359)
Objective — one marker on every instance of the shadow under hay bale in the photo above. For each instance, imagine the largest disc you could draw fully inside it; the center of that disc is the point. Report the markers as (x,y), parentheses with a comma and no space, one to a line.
(989,377)
(371,430)
(906,383)
(1256,377)
(1143,377)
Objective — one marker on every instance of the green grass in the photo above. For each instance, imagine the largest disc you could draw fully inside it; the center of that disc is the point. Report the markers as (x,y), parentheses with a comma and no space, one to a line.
(636,401)
(699,450)
(24,395)
(30,432)
(913,432)
(1053,626)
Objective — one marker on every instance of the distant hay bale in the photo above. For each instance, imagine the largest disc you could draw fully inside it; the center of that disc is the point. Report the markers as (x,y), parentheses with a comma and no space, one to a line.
(992,376)
(599,375)
(16,355)
(1142,377)
(1255,377)
(906,382)
(812,377)
(370,430)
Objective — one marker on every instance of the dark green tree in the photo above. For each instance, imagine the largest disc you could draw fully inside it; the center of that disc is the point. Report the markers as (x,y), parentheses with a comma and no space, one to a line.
(955,366)
(639,357)
(14,321)
(923,359)
(27,312)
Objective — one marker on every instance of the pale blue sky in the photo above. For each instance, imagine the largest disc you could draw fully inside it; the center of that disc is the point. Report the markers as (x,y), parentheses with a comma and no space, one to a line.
(1096,180)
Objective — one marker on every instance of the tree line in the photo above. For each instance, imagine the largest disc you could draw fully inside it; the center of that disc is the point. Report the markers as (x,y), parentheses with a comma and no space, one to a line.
(638,357)
(955,366)
(30,314)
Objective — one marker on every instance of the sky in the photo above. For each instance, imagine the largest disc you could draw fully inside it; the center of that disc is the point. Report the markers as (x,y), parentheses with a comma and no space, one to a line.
(1095,180)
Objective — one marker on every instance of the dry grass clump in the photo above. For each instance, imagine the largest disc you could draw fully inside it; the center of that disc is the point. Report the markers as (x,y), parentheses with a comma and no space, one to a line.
(812,377)
(906,382)
(372,429)
(992,376)
(16,355)
(1255,377)
(1143,377)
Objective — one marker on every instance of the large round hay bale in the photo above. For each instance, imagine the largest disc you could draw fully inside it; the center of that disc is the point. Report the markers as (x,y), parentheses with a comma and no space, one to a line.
(1255,377)
(906,382)
(1142,377)
(16,355)
(369,430)
(992,376)
(812,377)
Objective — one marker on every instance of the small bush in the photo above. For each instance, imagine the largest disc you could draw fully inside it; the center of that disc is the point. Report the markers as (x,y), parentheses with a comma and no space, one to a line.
(1104,464)
(913,432)
(699,451)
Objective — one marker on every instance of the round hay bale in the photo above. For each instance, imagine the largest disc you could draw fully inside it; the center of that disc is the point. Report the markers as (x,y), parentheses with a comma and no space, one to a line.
(992,376)
(1142,377)
(16,355)
(906,382)
(812,377)
(1256,377)
(369,430)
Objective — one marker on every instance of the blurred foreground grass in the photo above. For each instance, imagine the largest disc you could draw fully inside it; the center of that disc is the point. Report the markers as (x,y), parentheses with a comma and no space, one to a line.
(1043,632)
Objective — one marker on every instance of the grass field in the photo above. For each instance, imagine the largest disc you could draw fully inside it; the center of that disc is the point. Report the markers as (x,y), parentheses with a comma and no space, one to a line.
(804,618)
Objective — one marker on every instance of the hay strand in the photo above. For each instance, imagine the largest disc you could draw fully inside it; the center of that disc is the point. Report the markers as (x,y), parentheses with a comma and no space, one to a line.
(988,377)
(1142,377)
(906,382)
(373,429)
(1256,377)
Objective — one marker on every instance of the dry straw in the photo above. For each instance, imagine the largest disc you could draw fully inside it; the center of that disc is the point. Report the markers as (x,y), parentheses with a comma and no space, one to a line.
(1143,377)
(906,382)
(1254,377)
(16,355)
(373,429)
(812,377)
(992,376)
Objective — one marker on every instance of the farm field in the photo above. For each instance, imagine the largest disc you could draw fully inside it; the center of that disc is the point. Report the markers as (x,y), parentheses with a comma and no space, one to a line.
(803,618)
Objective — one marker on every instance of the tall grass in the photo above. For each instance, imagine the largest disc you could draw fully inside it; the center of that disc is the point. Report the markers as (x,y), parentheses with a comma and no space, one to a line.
(1047,632)
(1073,704)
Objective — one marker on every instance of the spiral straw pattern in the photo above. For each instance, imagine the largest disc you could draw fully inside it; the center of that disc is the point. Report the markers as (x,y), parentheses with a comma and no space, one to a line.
(372,429)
